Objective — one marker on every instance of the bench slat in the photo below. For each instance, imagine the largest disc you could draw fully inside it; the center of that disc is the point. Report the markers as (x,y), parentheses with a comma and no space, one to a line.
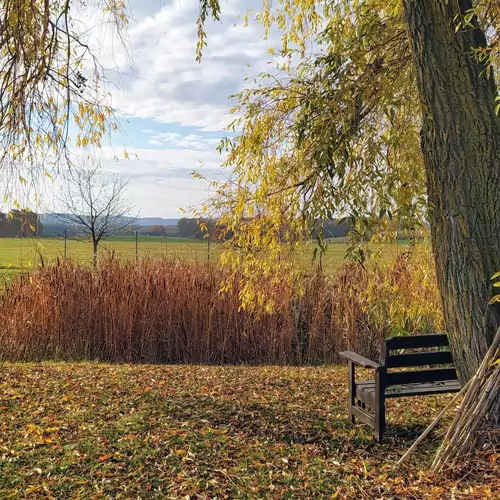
(417,341)
(364,416)
(416,376)
(365,391)
(418,359)
(424,389)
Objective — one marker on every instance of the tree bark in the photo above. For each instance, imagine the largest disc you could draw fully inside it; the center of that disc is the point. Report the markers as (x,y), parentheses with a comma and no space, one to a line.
(96,245)
(460,141)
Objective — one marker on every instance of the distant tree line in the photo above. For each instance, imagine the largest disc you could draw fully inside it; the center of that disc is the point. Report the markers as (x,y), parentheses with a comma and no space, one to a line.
(57,230)
(194,228)
(198,229)
(158,230)
(329,229)
(25,223)
(20,223)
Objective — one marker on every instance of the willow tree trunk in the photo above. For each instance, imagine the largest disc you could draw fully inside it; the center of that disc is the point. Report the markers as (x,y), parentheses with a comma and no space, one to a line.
(461,148)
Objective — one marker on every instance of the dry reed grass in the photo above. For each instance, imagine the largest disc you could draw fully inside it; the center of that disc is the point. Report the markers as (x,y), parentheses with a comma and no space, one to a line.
(170,311)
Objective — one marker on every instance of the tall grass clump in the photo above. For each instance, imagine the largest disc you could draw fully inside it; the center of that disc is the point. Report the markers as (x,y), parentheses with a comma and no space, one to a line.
(171,311)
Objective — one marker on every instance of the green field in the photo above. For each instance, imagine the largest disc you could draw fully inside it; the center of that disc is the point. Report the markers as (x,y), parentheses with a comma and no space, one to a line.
(22,254)
(19,254)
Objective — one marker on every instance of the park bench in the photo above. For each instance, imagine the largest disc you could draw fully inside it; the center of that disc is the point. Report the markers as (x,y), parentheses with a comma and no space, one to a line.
(367,398)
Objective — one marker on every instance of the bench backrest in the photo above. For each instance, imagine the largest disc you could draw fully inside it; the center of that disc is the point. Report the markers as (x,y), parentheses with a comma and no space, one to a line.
(391,359)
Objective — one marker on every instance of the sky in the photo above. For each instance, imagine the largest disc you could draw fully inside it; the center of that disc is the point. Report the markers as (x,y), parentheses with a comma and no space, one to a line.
(173,110)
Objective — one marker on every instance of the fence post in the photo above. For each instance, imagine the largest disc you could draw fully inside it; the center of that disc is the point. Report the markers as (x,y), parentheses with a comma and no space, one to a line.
(136,245)
(65,244)
(208,247)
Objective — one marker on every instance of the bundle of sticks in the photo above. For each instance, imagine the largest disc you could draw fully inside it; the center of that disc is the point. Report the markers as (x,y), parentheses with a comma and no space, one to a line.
(477,421)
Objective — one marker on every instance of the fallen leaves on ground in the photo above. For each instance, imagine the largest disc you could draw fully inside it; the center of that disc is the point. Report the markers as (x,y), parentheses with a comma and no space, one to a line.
(119,431)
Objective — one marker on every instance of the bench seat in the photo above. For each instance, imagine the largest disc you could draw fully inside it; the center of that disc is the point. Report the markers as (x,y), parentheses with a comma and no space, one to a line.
(365,391)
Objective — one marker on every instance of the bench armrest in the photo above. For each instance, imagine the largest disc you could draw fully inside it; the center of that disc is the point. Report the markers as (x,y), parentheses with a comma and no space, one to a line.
(360,360)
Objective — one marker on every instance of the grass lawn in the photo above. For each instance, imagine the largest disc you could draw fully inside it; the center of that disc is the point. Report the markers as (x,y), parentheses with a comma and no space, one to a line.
(100,431)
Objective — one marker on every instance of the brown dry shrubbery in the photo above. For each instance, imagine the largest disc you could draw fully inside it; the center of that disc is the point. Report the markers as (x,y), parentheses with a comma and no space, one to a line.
(169,311)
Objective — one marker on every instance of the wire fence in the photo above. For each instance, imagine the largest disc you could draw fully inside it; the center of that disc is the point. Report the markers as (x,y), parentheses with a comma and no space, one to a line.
(21,255)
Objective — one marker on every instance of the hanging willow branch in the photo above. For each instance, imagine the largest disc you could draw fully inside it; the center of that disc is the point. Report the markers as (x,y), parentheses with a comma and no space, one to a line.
(51,83)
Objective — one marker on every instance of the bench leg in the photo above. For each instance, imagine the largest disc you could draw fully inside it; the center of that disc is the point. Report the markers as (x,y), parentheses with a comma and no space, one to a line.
(379,422)
(352,390)
(379,405)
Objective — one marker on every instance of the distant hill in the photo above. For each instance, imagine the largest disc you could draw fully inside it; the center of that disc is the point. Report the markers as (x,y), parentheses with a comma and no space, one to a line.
(51,219)
(155,221)
(54,226)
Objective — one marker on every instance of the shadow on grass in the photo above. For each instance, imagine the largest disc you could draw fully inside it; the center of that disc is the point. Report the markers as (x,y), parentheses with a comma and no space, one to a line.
(280,423)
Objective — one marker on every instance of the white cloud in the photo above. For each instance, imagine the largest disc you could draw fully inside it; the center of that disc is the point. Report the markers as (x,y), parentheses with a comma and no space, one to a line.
(159,163)
(190,141)
(165,83)
(161,180)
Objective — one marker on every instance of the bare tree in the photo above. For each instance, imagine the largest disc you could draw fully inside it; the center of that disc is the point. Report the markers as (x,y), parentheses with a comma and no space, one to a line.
(94,204)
